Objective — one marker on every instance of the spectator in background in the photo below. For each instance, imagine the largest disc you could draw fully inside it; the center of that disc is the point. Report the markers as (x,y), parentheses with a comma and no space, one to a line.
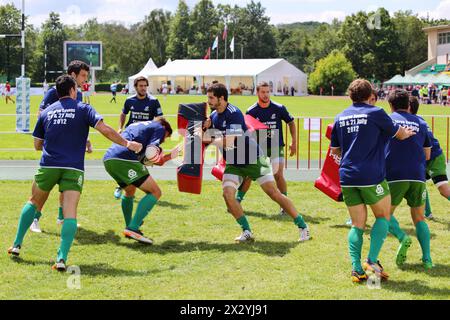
(86,89)
(444,96)
(2,89)
(114,91)
(415,92)
(8,93)
(293,91)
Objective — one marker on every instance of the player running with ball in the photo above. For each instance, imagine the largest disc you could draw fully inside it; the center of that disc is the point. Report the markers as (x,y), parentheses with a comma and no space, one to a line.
(129,171)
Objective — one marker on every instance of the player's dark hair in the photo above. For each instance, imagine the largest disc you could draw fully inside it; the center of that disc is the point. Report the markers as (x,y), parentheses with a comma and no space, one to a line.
(414,105)
(399,99)
(165,124)
(63,85)
(360,90)
(219,90)
(139,79)
(76,66)
(262,85)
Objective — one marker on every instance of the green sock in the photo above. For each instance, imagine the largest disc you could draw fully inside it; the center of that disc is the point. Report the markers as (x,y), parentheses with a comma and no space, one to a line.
(144,207)
(355,242)
(68,231)
(299,222)
(395,230)
(127,209)
(38,215)
(60,214)
(25,221)
(423,235)
(448,198)
(427,205)
(243,222)
(285,193)
(240,195)
(379,233)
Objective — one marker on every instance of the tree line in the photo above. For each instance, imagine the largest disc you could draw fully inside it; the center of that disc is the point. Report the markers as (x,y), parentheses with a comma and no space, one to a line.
(376,45)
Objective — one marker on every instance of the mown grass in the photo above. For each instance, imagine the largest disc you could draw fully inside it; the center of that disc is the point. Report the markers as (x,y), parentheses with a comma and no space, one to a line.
(194,256)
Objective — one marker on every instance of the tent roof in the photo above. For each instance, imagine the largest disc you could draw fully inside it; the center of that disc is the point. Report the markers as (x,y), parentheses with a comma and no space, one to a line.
(397,79)
(218,68)
(422,79)
(149,68)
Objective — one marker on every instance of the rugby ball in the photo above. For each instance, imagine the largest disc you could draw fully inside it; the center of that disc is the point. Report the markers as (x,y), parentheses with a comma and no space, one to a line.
(152,154)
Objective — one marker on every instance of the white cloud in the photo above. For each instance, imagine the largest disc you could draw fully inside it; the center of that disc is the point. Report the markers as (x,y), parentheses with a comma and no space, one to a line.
(442,11)
(104,10)
(325,16)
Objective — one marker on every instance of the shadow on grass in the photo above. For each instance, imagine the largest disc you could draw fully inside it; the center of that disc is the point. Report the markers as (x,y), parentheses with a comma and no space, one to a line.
(277,217)
(272,249)
(440,221)
(88,237)
(367,230)
(106,270)
(94,270)
(438,271)
(172,206)
(415,287)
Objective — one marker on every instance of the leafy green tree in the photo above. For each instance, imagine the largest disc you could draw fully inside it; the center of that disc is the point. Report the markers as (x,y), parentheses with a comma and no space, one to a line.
(155,35)
(412,42)
(334,70)
(255,33)
(204,28)
(180,33)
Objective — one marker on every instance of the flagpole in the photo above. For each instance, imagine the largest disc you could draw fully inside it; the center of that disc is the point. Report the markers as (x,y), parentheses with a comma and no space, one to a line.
(217,47)
(226,44)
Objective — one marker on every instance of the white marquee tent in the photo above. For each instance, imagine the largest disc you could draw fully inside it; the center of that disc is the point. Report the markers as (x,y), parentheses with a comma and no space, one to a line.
(149,67)
(190,74)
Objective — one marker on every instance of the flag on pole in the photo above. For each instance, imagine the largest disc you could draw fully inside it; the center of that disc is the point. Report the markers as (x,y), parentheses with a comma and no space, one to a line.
(208,54)
(232,45)
(225,32)
(216,43)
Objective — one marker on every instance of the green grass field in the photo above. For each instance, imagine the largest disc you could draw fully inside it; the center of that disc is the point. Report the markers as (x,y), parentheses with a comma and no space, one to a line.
(299,106)
(194,256)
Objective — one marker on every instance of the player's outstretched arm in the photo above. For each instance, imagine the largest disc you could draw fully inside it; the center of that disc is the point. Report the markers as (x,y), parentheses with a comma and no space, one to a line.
(110,134)
(404,133)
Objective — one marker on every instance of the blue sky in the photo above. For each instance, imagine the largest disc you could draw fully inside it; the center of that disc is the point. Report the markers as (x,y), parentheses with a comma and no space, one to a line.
(76,12)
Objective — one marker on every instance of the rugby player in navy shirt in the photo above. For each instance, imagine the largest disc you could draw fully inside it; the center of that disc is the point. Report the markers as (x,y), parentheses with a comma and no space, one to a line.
(129,171)
(61,133)
(141,107)
(359,136)
(436,166)
(272,114)
(80,72)
(244,159)
(405,173)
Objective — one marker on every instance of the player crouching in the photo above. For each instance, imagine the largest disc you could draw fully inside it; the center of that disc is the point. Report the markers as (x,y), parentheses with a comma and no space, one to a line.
(129,170)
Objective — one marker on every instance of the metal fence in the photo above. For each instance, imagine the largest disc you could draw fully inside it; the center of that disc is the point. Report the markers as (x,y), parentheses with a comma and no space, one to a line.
(312,144)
